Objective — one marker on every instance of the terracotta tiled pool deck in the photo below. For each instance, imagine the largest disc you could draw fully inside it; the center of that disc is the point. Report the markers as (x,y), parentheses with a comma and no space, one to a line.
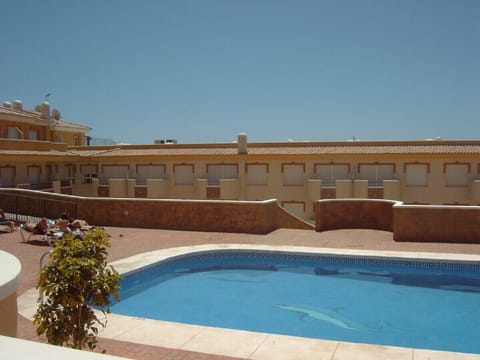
(130,241)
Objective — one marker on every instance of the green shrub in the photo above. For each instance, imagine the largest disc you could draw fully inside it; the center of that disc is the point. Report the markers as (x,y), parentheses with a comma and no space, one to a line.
(74,281)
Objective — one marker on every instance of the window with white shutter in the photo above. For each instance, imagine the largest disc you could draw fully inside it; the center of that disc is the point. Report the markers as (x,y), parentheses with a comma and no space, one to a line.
(257,174)
(145,172)
(376,173)
(456,175)
(221,171)
(330,173)
(416,174)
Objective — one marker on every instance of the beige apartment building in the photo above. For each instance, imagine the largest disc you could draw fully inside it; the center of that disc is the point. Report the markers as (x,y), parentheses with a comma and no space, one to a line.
(40,124)
(435,172)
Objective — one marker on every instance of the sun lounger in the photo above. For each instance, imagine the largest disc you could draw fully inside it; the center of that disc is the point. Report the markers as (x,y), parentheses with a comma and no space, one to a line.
(54,232)
(5,225)
(50,236)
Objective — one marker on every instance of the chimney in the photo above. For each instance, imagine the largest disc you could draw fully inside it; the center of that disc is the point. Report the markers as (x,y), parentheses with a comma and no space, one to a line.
(242,144)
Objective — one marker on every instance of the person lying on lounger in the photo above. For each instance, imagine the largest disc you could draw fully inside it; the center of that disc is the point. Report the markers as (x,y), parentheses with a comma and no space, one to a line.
(41,228)
(67,224)
(63,224)
(78,224)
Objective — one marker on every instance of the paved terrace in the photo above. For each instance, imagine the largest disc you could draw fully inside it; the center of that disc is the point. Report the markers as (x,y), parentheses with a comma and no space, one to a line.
(131,241)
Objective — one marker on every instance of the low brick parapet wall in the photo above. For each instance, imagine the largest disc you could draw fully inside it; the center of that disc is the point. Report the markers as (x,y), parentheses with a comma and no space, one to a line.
(415,223)
(255,217)
(354,214)
(430,223)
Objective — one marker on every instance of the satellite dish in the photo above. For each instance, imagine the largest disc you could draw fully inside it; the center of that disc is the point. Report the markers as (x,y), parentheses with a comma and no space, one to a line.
(56,114)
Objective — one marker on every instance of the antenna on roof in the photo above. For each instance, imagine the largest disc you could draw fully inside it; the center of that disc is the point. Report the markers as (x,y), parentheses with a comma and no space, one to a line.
(47,96)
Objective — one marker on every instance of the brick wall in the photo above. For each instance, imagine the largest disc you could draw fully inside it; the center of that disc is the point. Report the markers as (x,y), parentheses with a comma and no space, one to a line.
(353,214)
(437,223)
(66,190)
(408,222)
(140,191)
(222,216)
(416,223)
(213,192)
(103,191)
(257,217)
(375,192)
(328,193)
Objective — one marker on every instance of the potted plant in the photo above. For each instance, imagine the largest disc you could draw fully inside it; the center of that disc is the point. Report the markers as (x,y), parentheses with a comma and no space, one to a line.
(75,282)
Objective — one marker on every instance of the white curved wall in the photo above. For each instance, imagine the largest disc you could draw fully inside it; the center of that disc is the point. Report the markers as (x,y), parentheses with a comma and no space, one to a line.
(9,279)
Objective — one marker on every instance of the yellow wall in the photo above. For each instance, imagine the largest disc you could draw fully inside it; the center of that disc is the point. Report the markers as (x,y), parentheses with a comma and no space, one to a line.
(69,138)
(26,122)
(435,192)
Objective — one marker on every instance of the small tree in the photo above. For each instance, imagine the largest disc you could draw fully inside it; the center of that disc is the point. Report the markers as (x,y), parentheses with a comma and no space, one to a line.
(75,280)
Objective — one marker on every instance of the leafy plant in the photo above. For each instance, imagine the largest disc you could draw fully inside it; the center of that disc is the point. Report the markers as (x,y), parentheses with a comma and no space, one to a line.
(76,279)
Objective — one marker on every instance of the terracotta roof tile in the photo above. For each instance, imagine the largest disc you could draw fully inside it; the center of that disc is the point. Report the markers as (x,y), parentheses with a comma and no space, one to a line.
(424,147)
(360,149)
(164,152)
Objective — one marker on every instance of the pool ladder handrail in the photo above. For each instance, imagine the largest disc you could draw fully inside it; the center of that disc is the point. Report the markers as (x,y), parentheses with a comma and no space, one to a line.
(40,290)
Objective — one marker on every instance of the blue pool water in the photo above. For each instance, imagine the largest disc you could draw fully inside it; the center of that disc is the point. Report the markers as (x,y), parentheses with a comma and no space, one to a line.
(370,300)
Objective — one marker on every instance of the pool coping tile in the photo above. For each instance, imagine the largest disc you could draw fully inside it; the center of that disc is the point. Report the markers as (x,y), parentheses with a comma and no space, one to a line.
(281,347)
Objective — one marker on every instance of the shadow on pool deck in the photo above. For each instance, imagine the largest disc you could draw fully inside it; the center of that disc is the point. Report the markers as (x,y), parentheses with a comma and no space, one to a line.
(130,241)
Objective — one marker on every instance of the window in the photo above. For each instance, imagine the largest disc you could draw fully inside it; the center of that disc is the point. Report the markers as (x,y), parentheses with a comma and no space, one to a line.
(88,172)
(14,133)
(145,172)
(376,173)
(257,174)
(183,174)
(7,174)
(33,134)
(416,174)
(33,173)
(330,173)
(221,171)
(114,172)
(76,141)
(293,174)
(70,171)
(456,174)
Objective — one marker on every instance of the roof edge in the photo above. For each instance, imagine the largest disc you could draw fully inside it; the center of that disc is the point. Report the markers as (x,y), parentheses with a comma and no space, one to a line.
(296,144)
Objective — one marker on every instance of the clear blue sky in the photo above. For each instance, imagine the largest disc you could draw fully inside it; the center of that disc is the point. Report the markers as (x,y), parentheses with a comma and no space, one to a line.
(203,71)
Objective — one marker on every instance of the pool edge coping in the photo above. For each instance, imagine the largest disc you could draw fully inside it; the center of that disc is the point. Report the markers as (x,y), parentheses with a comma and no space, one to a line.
(146,259)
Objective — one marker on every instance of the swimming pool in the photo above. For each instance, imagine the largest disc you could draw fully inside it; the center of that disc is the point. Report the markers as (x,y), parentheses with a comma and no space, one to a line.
(403,302)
